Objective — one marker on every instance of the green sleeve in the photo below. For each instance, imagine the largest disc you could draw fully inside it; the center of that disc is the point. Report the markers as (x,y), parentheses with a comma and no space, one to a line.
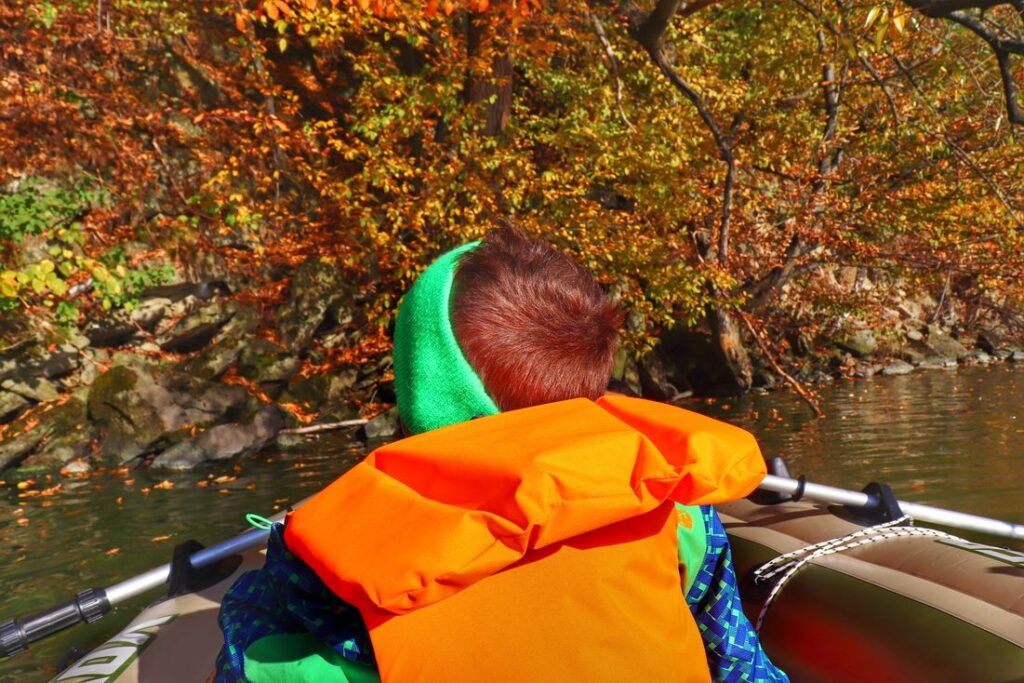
(693,542)
(302,658)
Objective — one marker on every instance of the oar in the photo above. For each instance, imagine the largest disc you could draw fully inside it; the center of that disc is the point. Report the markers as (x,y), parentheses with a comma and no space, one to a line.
(94,603)
(919,512)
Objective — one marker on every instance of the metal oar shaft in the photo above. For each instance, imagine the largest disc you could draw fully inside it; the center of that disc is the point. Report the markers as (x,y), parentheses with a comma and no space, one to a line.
(924,513)
(91,604)
(158,576)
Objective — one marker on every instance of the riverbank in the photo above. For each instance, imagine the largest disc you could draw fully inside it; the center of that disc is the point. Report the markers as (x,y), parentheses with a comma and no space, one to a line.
(195,373)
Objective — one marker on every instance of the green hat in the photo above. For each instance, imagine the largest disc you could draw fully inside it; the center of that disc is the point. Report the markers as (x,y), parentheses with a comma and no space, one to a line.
(435,384)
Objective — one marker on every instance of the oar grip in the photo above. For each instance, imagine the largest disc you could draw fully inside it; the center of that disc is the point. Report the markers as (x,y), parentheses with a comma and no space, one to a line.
(16,634)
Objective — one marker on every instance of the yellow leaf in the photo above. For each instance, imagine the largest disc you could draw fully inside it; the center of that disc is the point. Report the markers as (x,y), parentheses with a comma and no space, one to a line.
(898,20)
(873,15)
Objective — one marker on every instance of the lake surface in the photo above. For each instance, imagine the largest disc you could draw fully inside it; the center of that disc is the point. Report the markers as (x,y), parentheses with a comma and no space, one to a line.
(948,438)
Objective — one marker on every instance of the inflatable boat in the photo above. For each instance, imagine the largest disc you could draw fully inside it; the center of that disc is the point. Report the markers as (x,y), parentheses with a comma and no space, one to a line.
(879,605)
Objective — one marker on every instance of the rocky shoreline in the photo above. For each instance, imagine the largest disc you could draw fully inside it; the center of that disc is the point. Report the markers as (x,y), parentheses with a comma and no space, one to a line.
(193,374)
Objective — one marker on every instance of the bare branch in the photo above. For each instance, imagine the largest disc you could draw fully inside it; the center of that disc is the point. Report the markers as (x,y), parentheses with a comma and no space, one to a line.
(613,64)
(1003,48)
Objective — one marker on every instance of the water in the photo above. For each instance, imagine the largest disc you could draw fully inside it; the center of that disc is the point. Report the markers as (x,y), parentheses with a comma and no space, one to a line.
(951,439)
(96,531)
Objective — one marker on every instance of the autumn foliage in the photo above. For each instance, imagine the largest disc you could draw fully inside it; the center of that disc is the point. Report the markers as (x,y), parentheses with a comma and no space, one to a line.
(864,138)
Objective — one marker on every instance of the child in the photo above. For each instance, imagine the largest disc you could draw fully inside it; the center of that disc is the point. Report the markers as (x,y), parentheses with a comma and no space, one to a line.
(539,542)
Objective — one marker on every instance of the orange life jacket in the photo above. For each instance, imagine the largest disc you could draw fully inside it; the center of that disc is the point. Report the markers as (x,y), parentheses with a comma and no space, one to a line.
(534,545)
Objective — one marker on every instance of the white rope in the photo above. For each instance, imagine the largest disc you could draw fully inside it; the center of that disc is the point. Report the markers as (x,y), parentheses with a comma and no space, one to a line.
(790,563)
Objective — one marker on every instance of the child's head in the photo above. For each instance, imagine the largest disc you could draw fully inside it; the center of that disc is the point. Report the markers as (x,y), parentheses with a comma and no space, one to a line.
(534,324)
(505,324)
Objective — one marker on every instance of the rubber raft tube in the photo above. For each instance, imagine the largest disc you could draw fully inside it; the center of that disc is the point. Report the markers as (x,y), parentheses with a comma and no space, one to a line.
(906,609)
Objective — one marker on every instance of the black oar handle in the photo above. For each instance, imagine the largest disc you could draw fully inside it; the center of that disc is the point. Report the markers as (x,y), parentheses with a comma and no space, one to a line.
(16,634)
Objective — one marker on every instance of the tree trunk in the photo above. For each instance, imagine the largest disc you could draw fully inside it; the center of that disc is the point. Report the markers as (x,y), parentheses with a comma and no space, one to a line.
(729,342)
(483,38)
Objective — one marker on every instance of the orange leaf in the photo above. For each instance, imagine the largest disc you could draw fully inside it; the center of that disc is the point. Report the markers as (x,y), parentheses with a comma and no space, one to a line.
(112,552)
(166,484)
(271,10)
(157,539)
(240,22)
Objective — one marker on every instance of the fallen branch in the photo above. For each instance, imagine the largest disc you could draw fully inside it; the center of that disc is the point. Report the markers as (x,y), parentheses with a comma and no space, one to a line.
(799,388)
(326,427)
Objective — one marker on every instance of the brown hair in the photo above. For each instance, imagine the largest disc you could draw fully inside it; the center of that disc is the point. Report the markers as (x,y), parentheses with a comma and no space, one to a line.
(534,324)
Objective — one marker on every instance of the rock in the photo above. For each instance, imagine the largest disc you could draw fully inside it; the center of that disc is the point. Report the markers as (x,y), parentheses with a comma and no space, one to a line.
(224,441)
(180,456)
(35,389)
(11,405)
(989,341)
(979,357)
(81,466)
(318,390)
(214,360)
(911,310)
(914,335)
(1017,357)
(68,436)
(196,330)
(383,426)
(95,359)
(911,355)
(317,286)
(37,360)
(861,343)
(265,363)
(942,345)
(235,440)
(17,445)
(800,343)
(762,380)
(122,326)
(938,364)
(653,371)
(867,370)
(898,368)
(49,437)
(111,330)
(204,291)
(135,409)
(149,312)
(1003,354)
(211,267)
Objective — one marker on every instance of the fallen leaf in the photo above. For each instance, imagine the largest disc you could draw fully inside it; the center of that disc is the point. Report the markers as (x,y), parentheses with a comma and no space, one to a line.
(22,521)
(157,539)
(166,484)
(112,552)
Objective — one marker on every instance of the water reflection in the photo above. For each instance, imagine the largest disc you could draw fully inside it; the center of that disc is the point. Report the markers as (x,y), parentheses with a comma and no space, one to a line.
(947,438)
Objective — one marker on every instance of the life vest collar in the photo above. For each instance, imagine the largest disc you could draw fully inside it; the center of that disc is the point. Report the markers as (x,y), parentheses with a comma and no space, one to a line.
(421,518)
